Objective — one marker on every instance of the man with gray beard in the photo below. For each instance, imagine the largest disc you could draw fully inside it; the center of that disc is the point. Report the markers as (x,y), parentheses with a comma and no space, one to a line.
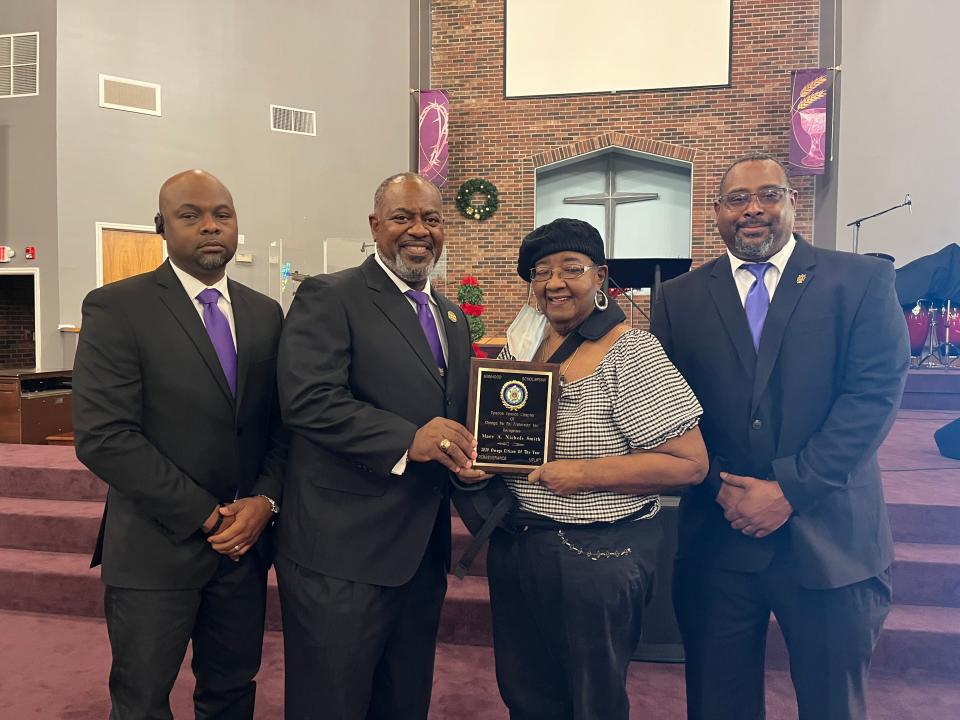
(798,356)
(373,373)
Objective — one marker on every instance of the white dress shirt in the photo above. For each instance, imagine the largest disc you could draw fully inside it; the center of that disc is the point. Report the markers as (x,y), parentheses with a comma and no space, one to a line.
(194,287)
(745,279)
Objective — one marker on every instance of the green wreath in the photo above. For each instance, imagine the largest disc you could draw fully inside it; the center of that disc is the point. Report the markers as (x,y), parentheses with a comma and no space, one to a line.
(478,186)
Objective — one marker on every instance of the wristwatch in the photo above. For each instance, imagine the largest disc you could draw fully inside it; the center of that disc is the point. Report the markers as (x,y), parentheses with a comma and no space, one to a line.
(274,508)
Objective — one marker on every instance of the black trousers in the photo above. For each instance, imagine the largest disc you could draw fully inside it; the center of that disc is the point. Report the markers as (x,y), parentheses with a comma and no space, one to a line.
(564,624)
(149,631)
(830,637)
(354,651)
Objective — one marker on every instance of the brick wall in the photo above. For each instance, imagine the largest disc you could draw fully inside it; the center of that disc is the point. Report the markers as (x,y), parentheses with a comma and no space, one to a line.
(17,348)
(504,140)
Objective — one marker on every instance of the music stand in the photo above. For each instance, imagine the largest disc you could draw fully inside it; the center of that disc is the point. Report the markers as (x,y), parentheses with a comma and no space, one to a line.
(638,273)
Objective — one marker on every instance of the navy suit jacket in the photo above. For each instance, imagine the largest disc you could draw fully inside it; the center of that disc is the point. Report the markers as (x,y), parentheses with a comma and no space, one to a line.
(809,409)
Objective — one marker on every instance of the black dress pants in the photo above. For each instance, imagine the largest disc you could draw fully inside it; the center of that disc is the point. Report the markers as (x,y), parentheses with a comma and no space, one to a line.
(830,636)
(565,625)
(149,631)
(354,651)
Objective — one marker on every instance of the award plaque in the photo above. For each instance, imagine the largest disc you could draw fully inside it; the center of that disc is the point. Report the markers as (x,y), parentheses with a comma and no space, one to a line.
(512,412)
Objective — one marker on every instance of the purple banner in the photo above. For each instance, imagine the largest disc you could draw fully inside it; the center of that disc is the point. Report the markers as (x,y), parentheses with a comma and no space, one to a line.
(809,109)
(433,136)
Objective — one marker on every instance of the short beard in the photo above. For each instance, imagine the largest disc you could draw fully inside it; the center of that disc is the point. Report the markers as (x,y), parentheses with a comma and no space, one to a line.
(761,252)
(408,273)
(214,262)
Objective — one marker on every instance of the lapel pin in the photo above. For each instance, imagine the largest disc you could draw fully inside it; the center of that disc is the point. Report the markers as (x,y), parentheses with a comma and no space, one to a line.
(801,278)
(451,316)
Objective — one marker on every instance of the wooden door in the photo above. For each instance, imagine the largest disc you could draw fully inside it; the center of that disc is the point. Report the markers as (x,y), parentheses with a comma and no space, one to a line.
(129,252)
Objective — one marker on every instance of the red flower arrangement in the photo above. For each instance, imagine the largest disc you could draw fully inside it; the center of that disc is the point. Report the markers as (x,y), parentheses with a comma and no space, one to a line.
(470,297)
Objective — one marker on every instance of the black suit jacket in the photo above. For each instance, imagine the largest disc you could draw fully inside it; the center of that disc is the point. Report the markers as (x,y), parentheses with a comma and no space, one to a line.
(154,418)
(808,410)
(357,380)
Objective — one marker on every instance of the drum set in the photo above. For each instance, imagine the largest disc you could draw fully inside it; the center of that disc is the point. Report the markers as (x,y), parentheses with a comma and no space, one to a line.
(934,328)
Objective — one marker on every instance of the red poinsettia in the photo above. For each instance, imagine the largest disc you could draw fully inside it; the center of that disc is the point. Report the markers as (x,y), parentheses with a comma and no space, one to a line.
(471,309)
(469,280)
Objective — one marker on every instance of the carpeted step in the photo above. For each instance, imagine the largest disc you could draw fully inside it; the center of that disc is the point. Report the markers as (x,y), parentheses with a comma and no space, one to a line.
(46,471)
(925,574)
(924,505)
(922,639)
(50,582)
(931,389)
(915,639)
(55,525)
(466,619)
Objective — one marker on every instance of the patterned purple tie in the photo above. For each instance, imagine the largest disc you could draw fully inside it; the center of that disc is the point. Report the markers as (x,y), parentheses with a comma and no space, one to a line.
(758,300)
(218,328)
(429,325)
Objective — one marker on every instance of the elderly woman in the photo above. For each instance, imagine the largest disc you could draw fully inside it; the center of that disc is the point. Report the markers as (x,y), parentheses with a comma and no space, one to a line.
(568,588)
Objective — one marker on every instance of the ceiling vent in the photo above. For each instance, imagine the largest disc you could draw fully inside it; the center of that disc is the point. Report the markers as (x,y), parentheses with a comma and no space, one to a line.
(19,65)
(293,120)
(117,93)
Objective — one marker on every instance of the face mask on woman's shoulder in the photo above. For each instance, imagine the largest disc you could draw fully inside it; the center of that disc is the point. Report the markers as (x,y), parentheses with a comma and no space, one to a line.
(526,332)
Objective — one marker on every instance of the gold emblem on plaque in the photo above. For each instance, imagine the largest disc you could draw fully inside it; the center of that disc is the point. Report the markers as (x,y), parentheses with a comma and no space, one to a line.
(514,395)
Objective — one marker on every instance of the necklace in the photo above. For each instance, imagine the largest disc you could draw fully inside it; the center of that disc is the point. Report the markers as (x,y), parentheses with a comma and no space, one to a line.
(566,364)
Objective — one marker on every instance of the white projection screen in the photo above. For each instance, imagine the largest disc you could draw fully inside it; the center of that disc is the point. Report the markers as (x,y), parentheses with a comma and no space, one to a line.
(562,47)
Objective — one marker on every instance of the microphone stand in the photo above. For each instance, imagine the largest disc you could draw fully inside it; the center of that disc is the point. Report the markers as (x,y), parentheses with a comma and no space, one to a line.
(907,202)
(623,293)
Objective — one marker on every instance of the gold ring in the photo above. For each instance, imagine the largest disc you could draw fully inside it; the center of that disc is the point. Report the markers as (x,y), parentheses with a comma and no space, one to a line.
(445,445)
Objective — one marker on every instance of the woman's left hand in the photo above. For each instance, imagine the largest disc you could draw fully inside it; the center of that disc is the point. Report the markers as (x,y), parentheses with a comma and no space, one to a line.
(561,477)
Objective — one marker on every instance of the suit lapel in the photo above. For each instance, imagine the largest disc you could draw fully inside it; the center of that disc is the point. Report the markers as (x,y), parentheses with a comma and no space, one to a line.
(723,290)
(796,278)
(175,298)
(391,302)
(455,329)
(243,323)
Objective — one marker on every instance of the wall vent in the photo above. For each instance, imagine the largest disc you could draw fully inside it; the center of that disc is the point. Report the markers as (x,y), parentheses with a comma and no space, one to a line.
(19,65)
(117,93)
(293,120)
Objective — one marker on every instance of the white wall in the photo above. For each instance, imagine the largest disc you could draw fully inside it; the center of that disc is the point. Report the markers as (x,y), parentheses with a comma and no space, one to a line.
(220,64)
(899,124)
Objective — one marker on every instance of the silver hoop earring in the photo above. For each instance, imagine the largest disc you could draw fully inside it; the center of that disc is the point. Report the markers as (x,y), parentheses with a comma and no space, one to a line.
(539,311)
(600,300)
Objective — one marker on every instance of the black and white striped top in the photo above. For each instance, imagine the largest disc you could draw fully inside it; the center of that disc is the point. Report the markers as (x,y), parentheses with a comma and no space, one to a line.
(635,399)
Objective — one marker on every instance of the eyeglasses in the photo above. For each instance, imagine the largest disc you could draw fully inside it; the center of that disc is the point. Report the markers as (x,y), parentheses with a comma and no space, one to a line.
(767,197)
(567,272)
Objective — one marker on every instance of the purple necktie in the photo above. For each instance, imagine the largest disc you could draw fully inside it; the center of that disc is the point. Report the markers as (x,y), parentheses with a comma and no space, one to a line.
(218,328)
(429,325)
(758,300)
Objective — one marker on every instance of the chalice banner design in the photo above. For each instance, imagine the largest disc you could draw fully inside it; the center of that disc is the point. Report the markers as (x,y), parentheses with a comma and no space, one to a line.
(808,121)
(434,108)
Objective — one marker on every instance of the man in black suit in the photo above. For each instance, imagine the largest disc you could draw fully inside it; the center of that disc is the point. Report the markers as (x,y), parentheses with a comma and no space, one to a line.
(800,374)
(175,408)
(373,379)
